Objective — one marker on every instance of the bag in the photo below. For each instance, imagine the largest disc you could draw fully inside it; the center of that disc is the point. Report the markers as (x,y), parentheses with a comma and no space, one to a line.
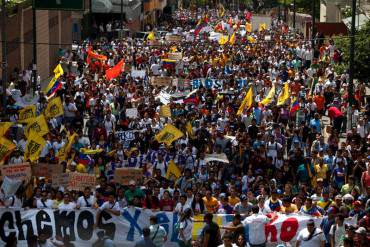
(87,203)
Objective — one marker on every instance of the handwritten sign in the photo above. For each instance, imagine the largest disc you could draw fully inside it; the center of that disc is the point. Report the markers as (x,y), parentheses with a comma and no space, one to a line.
(79,181)
(173,38)
(175,56)
(125,175)
(10,186)
(131,113)
(161,81)
(138,73)
(20,172)
(125,137)
(46,170)
(60,180)
(217,157)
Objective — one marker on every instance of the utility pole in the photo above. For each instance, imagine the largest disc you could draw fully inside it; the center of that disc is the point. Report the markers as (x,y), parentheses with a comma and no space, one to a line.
(4,53)
(294,13)
(351,64)
(34,34)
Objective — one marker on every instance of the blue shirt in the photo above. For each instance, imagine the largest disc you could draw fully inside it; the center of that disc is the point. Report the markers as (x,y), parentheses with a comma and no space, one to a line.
(316,123)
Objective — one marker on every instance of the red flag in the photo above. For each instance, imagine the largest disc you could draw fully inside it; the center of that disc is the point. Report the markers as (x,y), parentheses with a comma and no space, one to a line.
(114,71)
(248,16)
(91,54)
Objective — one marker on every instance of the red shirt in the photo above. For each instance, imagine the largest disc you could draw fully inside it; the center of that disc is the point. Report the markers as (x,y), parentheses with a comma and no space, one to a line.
(166,205)
(334,112)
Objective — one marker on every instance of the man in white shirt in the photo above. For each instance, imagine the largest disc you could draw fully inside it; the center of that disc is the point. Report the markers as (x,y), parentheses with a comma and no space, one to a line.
(87,200)
(67,204)
(111,206)
(311,236)
(337,231)
(44,202)
(256,224)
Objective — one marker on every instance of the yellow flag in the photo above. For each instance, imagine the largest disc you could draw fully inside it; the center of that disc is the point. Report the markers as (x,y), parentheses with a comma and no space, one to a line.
(262,27)
(58,71)
(247,101)
(221,11)
(63,151)
(91,151)
(189,130)
(34,146)
(173,172)
(251,39)
(4,126)
(37,125)
(6,147)
(232,39)
(284,95)
(269,96)
(27,114)
(169,134)
(248,27)
(151,36)
(173,49)
(223,40)
(165,111)
(54,108)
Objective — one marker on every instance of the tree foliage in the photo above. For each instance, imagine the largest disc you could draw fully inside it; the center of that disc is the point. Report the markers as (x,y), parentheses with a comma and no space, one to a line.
(362,52)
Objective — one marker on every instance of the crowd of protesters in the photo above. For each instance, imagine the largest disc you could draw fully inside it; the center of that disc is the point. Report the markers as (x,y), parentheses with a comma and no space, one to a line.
(279,160)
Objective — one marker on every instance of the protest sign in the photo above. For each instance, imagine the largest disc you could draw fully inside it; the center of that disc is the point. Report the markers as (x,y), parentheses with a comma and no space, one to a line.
(60,180)
(138,73)
(217,157)
(124,175)
(79,181)
(125,137)
(126,228)
(131,113)
(175,56)
(173,38)
(169,134)
(161,81)
(20,172)
(10,186)
(47,170)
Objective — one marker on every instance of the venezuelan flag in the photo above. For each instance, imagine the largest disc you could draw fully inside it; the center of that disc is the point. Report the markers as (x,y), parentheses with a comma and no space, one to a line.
(54,88)
(295,106)
(168,63)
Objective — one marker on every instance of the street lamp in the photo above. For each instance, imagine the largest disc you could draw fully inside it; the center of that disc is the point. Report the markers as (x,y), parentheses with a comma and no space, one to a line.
(4,52)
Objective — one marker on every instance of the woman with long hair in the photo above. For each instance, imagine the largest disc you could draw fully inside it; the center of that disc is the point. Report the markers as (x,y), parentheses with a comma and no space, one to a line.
(185,228)
(197,204)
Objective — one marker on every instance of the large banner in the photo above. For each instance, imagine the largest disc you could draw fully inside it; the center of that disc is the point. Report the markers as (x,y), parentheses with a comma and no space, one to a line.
(127,228)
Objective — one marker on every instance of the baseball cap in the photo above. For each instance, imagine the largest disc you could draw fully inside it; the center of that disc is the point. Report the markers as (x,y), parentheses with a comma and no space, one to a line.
(132,182)
(243,197)
(361,230)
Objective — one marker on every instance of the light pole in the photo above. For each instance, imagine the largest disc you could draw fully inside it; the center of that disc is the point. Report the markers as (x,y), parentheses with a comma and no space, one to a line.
(351,65)
(4,52)
(121,15)
(34,34)
(294,10)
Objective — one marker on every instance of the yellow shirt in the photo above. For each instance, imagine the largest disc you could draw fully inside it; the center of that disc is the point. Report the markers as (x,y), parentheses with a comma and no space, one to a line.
(321,171)
(233,200)
(211,205)
(288,210)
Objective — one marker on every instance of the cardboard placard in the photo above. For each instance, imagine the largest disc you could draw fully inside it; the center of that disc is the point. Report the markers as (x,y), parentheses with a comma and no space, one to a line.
(165,111)
(138,73)
(47,170)
(60,180)
(175,56)
(131,113)
(20,172)
(79,181)
(125,175)
(217,157)
(161,81)
(10,186)
(173,38)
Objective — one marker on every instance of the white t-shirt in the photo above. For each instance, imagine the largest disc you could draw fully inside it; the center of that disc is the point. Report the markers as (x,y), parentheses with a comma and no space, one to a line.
(180,208)
(339,233)
(256,224)
(69,206)
(82,202)
(187,225)
(48,203)
(315,241)
(108,205)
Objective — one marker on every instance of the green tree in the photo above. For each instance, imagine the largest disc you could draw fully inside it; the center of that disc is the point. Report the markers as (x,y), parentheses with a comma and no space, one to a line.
(362,53)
